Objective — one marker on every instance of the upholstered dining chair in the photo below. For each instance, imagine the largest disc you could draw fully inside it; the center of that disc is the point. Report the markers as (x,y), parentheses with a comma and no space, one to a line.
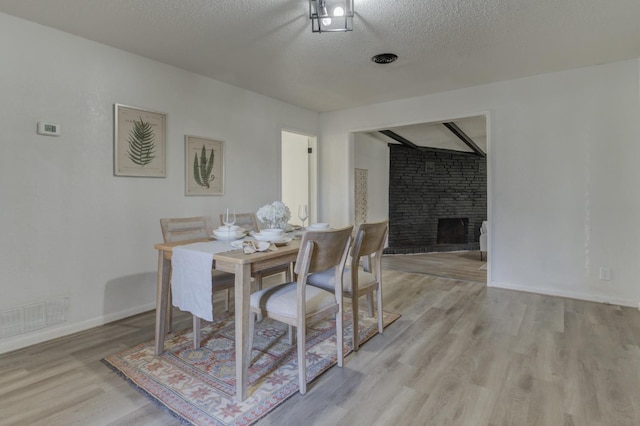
(298,304)
(193,228)
(367,245)
(249,221)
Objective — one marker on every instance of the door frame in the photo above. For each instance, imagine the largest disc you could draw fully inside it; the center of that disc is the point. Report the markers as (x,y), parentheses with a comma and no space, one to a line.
(313,173)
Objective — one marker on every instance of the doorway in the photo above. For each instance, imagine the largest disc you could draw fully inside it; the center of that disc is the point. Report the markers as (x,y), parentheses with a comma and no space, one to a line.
(299,174)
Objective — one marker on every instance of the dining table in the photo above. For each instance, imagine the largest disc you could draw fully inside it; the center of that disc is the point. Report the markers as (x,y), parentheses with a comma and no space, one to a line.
(234,261)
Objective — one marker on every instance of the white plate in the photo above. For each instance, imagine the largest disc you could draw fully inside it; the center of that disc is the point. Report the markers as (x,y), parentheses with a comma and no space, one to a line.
(260,245)
(281,242)
(228,237)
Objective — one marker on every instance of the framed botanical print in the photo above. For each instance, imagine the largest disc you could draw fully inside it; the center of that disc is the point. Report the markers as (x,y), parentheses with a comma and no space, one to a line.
(204,166)
(140,139)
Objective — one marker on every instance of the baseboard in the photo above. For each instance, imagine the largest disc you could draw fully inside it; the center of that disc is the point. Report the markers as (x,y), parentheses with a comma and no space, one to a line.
(22,341)
(588,297)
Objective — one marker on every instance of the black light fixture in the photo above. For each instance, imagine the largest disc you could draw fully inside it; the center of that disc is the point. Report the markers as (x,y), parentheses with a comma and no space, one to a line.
(331,15)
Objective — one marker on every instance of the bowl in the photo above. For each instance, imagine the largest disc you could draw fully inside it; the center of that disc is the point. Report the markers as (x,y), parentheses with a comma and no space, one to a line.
(271,232)
(232,228)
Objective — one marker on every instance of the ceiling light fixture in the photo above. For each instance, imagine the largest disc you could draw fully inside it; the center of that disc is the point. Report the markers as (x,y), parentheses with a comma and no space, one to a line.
(331,15)
(384,58)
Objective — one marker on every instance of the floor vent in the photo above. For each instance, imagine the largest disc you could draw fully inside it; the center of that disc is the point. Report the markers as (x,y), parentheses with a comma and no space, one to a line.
(35,316)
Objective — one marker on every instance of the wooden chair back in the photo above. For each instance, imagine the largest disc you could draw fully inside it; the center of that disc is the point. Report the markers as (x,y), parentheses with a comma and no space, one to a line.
(370,239)
(328,249)
(248,221)
(186,228)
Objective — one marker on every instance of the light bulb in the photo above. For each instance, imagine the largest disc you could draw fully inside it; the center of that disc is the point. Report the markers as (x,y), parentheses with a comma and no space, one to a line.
(326,21)
(338,11)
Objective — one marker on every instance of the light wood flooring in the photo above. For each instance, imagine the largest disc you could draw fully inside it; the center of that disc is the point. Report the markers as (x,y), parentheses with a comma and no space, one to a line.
(462,354)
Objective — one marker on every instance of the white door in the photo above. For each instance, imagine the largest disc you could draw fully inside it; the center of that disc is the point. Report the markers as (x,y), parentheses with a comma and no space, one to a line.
(298,174)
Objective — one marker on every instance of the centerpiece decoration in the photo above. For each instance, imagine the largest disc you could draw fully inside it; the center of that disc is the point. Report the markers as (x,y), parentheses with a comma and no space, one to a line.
(275,215)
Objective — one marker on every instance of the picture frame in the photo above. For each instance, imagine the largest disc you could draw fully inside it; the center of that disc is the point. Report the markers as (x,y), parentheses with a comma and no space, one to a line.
(140,141)
(204,166)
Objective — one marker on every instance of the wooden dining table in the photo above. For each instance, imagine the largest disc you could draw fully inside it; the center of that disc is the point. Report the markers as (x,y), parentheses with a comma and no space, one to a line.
(235,262)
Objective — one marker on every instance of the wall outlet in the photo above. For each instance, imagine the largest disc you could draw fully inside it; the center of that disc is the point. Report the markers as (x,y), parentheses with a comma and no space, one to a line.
(605,273)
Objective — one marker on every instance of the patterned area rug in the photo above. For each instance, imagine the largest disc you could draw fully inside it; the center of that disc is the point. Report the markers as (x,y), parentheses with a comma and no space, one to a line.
(198,386)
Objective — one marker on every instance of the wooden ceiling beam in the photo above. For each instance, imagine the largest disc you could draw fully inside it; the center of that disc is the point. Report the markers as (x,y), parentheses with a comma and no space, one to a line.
(464,138)
(396,137)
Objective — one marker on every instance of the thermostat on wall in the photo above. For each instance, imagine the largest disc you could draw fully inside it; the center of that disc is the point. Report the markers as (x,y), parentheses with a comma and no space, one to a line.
(48,129)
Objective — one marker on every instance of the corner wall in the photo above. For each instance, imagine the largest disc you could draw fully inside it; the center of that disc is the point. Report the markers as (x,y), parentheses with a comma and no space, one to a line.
(72,229)
(562,172)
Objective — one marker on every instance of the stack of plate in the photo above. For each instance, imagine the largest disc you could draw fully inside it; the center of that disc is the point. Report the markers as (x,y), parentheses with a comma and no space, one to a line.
(228,233)
(270,235)
(318,227)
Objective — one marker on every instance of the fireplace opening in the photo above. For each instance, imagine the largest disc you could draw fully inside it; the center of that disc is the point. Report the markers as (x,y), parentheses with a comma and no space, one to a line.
(452,230)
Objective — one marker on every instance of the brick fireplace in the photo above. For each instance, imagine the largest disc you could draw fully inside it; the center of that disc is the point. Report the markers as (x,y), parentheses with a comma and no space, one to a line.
(437,200)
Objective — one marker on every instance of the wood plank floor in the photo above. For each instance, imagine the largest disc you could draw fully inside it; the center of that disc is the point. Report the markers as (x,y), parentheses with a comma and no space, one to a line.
(462,354)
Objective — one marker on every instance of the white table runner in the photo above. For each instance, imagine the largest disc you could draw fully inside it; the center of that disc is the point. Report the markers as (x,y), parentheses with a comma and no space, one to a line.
(191,276)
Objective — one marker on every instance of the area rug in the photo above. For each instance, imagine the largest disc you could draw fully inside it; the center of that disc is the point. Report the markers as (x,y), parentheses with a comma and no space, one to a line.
(198,386)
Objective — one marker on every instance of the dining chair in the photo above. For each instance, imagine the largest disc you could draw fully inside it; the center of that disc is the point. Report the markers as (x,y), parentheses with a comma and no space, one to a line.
(358,281)
(195,228)
(298,304)
(249,221)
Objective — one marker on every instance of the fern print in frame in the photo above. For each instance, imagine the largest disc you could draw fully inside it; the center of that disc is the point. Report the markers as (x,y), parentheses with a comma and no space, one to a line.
(204,166)
(139,142)
(203,169)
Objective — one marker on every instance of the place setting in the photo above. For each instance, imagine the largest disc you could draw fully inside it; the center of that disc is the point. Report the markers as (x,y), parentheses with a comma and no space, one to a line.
(229,231)
(273,236)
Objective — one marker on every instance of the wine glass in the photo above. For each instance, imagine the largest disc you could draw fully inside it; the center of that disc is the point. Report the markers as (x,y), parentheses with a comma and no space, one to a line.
(229,218)
(303,213)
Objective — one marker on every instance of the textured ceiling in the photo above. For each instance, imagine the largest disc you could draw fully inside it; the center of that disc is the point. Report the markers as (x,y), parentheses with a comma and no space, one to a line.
(267,46)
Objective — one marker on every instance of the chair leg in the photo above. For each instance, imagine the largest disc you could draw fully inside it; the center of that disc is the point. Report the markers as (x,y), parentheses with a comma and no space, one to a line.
(379,297)
(302,359)
(370,304)
(252,329)
(292,336)
(356,337)
(196,332)
(340,336)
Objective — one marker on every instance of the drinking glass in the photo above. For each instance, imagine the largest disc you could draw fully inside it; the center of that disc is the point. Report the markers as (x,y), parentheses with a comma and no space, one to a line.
(229,218)
(303,213)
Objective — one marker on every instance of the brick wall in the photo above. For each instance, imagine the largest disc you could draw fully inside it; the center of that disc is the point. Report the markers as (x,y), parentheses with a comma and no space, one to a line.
(425,185)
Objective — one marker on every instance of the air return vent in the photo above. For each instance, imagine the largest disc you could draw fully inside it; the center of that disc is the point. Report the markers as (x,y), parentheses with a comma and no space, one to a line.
(35,316)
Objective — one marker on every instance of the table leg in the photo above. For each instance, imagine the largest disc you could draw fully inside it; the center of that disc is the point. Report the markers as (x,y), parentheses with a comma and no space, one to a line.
(162,296)
(242,294)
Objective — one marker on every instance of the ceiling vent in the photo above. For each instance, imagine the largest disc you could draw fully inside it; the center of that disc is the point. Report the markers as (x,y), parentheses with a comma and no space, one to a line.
(384,58)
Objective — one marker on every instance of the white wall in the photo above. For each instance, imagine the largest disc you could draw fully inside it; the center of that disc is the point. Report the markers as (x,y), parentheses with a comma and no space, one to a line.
(70,228)
(563,175)
(373,155)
